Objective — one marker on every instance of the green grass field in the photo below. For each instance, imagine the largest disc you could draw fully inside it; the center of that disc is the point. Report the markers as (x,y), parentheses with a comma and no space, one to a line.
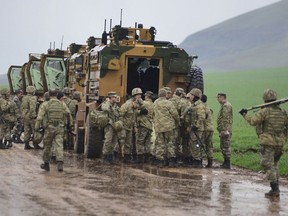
(244,89)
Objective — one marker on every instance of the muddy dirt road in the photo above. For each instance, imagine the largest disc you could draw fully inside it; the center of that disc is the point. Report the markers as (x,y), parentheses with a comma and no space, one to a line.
(88,188)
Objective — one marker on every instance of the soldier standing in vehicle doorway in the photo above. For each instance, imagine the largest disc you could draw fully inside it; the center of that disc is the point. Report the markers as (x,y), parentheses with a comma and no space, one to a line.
(7,118)
(111,108)
(29,114)
(271,126)
(128,112)
(208,132)
(56,113)
(166,119)
(224,127)
(144,129)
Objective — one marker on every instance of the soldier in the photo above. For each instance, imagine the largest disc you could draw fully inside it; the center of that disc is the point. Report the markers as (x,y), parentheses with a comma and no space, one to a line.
(224,128)
(17,129)
(169,92)
(71,104)
(77,96)
(196,116)
(8,118)
(144,129)
(110,134)
(166,119)
(208,132)
(53,114)
(271,123)
(29,114)
(128,112)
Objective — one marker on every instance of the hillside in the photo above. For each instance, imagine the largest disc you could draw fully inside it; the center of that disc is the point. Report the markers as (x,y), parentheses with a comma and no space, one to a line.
(254,40)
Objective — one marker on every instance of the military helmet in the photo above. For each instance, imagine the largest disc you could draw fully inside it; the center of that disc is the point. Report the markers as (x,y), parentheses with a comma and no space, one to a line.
(148,93)
(118,125)
(168,89)
(112,94)
(179,91)
(37,137)
(30,89)
(77,95)
(269,95)
(46,96)
(196,92)
(136,91)
(162,92)
(66,91)
(53,92)
(4,91)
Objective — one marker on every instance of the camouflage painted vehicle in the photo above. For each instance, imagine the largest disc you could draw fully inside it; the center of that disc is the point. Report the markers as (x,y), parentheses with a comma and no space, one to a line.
(123,59)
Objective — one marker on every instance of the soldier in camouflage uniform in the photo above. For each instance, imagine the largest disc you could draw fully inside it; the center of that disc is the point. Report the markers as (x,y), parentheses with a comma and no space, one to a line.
(8,118)
(18,100)
(128,112)
(224,128)
(166,119)
(208,132)
(169,92)
(29,114)
(71,104)
(272,124)
(144,129)
(195,116)
(110,134)
(52,117)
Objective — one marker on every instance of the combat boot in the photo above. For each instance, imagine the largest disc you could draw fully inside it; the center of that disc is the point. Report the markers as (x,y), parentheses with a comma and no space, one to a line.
(197,164)
(37,147)
(139,160)
(127,158)
(45,166)
(209,164)
(107,159)
(27,146)
(274,192)
(172,162)
(226,164)
(9,143)
(60,166)
(2,146)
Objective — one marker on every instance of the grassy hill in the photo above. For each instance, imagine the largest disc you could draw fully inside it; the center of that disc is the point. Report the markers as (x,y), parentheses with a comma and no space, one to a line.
(257,39)
(244,89)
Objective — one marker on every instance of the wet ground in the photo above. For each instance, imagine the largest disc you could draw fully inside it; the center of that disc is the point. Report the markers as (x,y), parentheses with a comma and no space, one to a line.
(88,188)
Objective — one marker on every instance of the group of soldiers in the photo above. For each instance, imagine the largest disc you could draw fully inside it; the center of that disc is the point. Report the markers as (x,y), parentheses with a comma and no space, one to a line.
(49,115)
(183,127)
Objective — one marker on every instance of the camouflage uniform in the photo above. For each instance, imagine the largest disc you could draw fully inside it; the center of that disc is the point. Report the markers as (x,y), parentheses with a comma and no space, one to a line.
(224,125)
(166,119)
(19,122)
(208,132)
(29,114)
(52,116)
(273,123)
(144,129)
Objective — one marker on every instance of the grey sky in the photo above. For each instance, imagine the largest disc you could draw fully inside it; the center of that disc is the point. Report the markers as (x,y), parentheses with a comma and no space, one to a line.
(28,26)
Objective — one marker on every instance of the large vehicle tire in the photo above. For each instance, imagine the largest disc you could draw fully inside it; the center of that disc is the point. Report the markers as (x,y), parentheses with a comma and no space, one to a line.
(94,142)
(196,78)
(79,140)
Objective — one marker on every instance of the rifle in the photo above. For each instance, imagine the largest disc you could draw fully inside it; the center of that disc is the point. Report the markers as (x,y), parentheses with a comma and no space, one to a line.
(199,144)
(276,102)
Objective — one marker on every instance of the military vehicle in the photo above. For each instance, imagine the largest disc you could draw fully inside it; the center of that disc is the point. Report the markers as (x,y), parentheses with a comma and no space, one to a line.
(14,78)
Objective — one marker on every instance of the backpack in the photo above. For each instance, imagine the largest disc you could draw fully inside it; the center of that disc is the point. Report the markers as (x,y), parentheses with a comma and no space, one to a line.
(98,119)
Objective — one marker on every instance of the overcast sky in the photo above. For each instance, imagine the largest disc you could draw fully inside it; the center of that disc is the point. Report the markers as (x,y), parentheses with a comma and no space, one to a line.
(28,26)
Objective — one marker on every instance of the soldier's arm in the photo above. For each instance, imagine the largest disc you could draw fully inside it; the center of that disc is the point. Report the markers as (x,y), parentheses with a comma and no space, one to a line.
(105,107)
(33,106)
(201,117)
(257,119)
(67,112)
(5,105)
(40,116)
(173,111)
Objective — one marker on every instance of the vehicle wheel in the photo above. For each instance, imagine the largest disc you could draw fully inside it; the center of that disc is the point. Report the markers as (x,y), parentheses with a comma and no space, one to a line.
(94,142)
(79,140)
(196,78)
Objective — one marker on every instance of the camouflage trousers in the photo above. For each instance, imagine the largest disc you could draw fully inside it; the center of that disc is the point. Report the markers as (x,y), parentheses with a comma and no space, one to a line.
(110,140)
(125,139)
(28,129)
(269,161)
(164,146)
(208,144)
(143,141)
(5,131)
(195,145)
(53,136)
(177,142)
(225,143)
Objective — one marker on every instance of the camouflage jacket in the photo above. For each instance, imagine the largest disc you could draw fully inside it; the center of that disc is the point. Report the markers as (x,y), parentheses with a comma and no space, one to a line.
(8,110)
(29,107)
(208,122)
(165,116)
(273,122)
(225,118)
(180,104)
(112,111)
(128,115)
(146,120)
(71,104)
(194,115)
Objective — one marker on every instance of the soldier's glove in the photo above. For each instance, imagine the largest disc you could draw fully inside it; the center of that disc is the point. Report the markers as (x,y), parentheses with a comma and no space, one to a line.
(194,128)
(143,111)
(243,112)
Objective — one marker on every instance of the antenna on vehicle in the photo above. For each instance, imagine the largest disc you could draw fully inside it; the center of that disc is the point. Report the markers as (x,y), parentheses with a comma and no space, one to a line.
(50,45)
(61,42)
(54,45)
(121,17)
(110,25)
(104,34)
